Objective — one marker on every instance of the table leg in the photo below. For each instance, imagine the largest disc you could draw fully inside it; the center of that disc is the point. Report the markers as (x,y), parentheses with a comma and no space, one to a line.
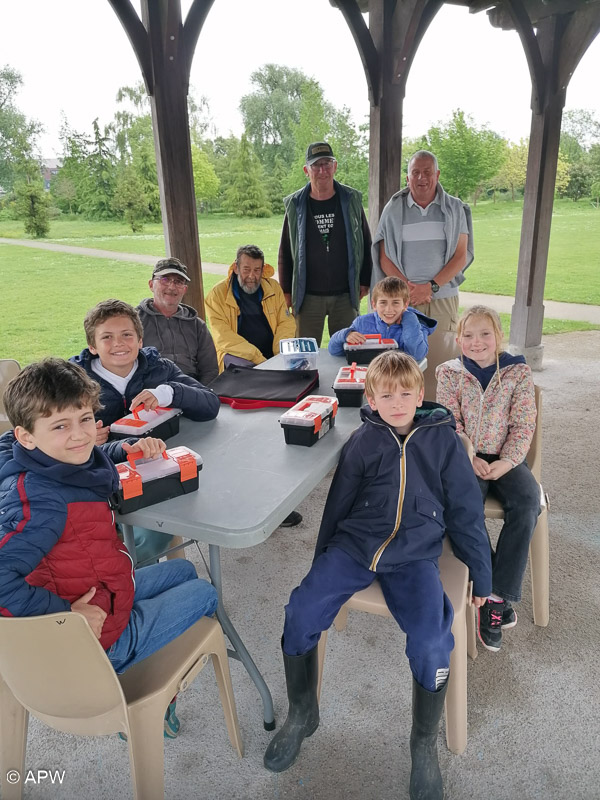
(234,638)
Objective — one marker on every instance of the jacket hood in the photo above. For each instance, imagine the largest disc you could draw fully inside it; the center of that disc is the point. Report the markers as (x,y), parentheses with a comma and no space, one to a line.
(183,312)
(268,270)
(427,414)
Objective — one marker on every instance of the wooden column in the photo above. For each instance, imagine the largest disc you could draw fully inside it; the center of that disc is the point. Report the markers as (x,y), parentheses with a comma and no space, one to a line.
(165,47)
(553,55)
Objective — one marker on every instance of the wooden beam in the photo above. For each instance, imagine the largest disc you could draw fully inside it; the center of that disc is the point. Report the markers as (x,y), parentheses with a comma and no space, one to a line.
(420,20)
(522,23)
(162,18)
(191,30)
(364,42)
(138,36)
(582,29)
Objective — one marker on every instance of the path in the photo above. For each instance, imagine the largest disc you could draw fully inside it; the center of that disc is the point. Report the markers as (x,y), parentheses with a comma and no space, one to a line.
(554,310)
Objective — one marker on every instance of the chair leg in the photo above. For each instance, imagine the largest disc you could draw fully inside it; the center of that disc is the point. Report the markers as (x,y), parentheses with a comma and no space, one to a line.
(539,560)
(146,749)
(341,620)
(223,678)
(177,540)
(456,696)
(321,656)
(13,741)
(471,635)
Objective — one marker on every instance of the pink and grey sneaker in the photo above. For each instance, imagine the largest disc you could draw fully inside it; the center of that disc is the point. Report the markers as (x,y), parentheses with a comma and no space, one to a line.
(489,624)
(509,616)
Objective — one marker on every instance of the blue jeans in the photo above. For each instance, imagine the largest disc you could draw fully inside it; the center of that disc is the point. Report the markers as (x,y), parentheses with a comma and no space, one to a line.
(169,598)
(519,495)
(414,595)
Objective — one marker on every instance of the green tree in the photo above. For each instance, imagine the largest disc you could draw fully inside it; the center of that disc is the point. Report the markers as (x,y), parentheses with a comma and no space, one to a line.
(17,134)
(32,207)
(467,155)
(313,126)
(206,183)
(66,188)
(580,180)
(351,150)
(100,176)
(130,200)
(272,111)
(274,186)
(246,194)
(513,172)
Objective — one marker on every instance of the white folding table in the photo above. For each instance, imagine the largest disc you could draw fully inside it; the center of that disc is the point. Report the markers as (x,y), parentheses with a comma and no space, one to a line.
(251,480)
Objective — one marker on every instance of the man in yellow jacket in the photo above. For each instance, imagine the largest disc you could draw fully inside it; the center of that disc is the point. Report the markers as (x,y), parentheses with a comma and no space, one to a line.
(247,312)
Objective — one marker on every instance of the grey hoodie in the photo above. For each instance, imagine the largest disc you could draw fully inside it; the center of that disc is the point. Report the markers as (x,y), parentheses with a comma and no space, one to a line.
(183,338)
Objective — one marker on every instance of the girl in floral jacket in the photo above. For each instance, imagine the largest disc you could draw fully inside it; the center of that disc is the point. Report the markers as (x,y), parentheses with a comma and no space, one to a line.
(491,395)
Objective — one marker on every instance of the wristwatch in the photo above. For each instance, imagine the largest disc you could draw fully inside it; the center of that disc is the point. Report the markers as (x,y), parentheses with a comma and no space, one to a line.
(434,286)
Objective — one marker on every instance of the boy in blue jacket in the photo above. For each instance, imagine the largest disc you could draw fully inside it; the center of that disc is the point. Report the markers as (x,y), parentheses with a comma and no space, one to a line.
(403,481)
(392,318)
(131,375)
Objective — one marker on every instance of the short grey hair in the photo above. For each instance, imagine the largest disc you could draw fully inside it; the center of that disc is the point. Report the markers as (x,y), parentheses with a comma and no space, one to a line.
(422,154)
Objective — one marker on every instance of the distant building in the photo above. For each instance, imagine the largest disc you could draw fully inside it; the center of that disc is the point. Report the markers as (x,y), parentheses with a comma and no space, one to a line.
(50,167)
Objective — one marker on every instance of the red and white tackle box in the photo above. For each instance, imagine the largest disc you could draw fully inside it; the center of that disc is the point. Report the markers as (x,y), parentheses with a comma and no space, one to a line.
(161,423)
(309,420)
(365,353)
(349,385)
(145,481)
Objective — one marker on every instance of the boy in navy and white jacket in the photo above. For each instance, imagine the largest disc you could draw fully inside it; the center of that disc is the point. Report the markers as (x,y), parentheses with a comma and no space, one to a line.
(403,481)
(392,319)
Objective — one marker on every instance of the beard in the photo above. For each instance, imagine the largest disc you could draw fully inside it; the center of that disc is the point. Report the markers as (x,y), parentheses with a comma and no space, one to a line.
(248,288)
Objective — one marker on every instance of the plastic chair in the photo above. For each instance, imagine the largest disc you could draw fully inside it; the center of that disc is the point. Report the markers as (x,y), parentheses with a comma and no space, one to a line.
(539,555)
(442,347)
(8,369)
(455,579)
(54,667)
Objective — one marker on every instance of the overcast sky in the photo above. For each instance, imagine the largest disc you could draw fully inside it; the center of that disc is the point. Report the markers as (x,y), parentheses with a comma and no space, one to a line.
(74,55)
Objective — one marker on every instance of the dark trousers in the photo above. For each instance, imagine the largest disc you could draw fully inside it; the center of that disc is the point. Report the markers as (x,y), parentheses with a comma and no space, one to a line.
(519,495)
(310,320)
(413,593)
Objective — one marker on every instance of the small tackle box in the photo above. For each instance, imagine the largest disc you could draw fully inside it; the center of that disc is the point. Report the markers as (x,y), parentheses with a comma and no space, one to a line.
(309,420)
(300,353)
(161,423)
(366,352)
(349,385)
(145,481)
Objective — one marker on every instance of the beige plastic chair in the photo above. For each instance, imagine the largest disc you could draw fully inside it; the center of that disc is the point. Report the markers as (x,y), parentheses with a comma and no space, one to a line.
(455,579)
(539,547)
(54,667)
(8,369)
(442,347)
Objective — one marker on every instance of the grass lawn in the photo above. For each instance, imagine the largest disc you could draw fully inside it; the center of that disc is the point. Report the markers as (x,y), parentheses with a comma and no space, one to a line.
(49,294)
(572,262)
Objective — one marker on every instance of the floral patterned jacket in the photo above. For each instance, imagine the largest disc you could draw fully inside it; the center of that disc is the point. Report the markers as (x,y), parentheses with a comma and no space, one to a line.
(498,421)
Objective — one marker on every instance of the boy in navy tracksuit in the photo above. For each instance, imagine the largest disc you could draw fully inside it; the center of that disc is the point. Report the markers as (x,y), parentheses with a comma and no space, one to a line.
(392,319)
(403,481)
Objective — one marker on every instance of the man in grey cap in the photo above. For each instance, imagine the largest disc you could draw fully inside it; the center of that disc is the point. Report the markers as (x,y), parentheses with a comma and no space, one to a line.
(325,251)
(174,328)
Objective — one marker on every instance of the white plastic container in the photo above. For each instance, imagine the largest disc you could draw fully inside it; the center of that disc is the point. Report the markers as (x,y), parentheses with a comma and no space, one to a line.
(299,353)
(161,423)
(349,385)
(366,352)
(309,420)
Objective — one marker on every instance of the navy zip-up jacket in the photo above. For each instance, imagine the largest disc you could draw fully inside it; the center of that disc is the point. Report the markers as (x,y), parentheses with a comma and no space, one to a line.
(195,400)
(391,501)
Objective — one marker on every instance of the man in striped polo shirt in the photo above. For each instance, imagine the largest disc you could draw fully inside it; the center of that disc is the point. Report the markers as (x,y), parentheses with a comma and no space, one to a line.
(425,237)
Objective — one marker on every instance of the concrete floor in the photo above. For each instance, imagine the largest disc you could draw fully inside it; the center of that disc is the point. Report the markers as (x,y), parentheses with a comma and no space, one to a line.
(534,707)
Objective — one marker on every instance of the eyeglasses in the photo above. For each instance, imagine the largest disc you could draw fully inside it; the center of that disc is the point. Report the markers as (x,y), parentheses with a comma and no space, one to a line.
(324,165)
(167,279)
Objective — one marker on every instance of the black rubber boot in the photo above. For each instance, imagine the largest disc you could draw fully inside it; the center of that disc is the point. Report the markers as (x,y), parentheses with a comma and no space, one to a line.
(425,776)
(301,676)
